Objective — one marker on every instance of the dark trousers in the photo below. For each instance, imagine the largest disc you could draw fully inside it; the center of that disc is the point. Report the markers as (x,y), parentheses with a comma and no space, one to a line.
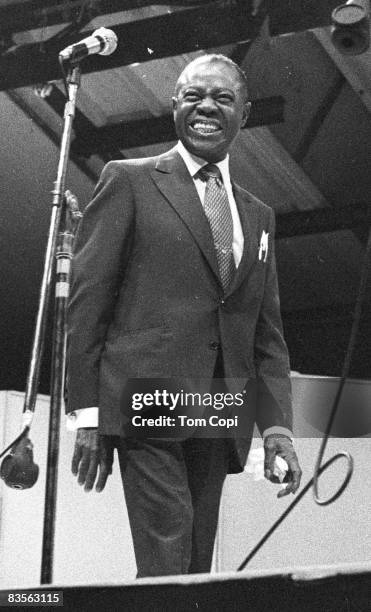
(172,491)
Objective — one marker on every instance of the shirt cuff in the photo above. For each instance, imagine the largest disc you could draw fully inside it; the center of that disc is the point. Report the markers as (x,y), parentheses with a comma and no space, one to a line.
(85,417)
(276,429)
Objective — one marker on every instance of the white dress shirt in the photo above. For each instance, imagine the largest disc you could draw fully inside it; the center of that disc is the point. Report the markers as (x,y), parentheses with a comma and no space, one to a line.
(88,417)
(194,164)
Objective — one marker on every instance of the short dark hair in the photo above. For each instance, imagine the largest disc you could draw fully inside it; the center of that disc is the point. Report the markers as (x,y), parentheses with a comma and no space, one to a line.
(219,57)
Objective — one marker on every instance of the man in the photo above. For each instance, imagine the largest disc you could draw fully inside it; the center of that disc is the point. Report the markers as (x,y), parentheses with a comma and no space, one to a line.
(174,278)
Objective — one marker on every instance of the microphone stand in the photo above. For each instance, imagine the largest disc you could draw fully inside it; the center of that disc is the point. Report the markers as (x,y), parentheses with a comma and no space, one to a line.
(62,248)
(63,209)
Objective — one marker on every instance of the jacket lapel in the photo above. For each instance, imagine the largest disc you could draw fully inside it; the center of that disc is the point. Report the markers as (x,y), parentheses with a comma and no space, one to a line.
(175,183)
(248,220)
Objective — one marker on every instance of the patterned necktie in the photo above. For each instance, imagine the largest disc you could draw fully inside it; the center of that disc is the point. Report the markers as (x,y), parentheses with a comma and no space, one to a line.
(219,216)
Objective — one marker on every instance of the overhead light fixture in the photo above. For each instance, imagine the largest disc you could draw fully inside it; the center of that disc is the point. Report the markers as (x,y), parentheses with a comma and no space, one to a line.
(350,32)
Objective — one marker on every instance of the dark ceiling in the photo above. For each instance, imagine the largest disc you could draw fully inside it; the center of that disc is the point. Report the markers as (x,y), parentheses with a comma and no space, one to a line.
(306,150)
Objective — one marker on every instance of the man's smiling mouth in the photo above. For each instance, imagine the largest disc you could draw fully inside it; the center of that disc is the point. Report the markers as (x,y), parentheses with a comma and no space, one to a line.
(205,127)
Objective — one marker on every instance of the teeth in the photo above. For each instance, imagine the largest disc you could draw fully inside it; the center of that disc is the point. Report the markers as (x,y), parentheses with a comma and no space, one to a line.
(205,127)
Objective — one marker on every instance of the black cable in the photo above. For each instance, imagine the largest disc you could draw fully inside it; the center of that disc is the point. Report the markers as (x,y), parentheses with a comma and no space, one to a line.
(291,507)
(23,433)
(345,372)
(318,468)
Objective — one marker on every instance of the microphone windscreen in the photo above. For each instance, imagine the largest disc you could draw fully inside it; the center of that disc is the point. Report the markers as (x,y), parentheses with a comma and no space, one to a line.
(18,469)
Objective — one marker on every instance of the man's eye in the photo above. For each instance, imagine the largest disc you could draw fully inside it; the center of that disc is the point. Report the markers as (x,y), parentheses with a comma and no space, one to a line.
(191,97)
(225,99)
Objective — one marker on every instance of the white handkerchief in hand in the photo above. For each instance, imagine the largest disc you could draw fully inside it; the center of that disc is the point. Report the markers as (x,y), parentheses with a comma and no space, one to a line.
(255,465)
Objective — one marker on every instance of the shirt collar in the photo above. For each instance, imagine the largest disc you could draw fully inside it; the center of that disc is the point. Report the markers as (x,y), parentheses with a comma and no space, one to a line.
(194,163)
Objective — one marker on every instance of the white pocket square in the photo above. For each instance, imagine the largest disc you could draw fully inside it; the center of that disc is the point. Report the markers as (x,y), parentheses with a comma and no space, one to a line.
(263,248)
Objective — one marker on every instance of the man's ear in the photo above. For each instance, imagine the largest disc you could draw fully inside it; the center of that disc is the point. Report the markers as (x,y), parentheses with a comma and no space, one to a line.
(246,113)
(175,102)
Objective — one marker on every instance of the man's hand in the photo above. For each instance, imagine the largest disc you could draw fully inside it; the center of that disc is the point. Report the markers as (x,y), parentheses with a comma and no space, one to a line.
(278,444)
(92,450)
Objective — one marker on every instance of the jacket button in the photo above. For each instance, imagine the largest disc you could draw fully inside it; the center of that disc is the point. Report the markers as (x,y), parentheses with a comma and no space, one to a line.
(214,346)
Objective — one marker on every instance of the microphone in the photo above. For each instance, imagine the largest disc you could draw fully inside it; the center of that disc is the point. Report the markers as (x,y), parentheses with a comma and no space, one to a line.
(18,469)
(102,41)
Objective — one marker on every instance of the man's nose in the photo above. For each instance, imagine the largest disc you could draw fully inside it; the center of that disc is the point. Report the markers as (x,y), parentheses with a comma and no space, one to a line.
(207,105)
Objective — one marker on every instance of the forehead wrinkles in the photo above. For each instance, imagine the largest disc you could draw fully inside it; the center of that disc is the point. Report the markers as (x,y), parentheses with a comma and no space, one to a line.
(210,77)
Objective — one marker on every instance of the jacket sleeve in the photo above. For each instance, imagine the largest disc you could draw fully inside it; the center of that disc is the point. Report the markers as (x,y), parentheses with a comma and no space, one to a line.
(274,400)
(101,249)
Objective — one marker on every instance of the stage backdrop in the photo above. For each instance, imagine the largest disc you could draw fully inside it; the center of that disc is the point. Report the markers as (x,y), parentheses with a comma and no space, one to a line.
(93,543)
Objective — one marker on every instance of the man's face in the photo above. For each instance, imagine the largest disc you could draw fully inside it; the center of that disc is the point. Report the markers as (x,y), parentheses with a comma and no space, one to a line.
(210,107)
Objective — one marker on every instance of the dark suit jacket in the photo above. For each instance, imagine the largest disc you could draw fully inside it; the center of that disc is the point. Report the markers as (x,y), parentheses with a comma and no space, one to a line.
(147,300)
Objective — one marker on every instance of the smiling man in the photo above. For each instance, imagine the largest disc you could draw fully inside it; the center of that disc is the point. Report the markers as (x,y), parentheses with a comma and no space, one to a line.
(210,106)
(174,279)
